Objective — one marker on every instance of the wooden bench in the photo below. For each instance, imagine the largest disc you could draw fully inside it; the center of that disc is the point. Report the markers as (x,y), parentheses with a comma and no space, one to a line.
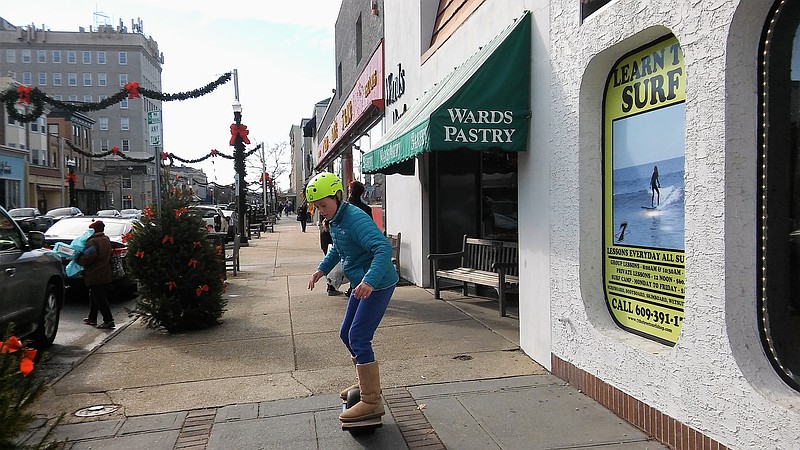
(394,239)
(483,262)
(232,255)
(269,223)
(255,230)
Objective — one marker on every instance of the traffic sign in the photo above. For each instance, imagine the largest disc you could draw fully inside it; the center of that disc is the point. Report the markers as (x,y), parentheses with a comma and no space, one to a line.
(154,127)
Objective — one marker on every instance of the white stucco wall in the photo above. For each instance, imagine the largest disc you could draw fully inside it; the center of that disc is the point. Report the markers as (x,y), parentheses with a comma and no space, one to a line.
(716,379)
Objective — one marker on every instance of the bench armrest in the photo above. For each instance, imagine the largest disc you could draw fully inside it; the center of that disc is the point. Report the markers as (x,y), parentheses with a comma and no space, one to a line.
(435,257)
(503,266)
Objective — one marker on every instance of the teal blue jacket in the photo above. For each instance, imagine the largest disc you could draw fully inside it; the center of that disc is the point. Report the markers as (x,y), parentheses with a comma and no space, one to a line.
(364,251)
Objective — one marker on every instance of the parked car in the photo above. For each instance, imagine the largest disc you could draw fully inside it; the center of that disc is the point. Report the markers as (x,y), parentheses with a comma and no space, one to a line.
(66,230)
(30,219)
(60,213)
(108,213)
(213,216)
(131,213)
(31,284)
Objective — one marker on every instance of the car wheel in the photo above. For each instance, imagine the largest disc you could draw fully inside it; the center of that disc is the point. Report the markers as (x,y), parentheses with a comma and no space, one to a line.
(48,320)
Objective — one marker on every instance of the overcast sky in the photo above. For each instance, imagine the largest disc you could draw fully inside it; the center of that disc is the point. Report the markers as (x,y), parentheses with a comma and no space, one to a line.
(284,54)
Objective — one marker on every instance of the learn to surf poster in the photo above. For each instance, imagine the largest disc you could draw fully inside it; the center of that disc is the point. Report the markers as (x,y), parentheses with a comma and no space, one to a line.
(643,190)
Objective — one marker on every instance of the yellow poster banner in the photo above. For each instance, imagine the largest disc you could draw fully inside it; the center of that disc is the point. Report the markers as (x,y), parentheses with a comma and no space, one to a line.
(643,191)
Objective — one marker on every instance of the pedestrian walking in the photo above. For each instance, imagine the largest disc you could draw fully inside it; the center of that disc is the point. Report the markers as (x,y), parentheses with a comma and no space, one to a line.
(356,191)
(366,257)
(302,216)
(96,261)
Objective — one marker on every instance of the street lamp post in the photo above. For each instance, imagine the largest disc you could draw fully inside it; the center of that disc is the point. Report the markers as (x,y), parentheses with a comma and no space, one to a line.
(239,150)
(73,198)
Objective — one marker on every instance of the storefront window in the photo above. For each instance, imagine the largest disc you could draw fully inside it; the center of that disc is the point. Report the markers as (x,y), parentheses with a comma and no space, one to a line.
(779,196)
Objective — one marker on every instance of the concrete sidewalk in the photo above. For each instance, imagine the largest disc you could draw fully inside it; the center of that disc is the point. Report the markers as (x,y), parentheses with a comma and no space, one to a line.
(268,377)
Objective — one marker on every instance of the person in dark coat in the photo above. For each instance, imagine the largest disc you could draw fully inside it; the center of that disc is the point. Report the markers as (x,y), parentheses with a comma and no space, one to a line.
(356,191)
(302,216)
(96,261)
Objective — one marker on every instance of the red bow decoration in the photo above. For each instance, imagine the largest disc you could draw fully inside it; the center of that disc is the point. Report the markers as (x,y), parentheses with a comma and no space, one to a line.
(241,131)
(180,211)
(24,94)
(196,244)
(71,178)
(140,254)
(219,249)
(193,263)
(133,89)
(164,156)
(125,237)
(12,345)
(201,289)
(214,152)
(148,212)
(168,238)
(172,285)
(115,149)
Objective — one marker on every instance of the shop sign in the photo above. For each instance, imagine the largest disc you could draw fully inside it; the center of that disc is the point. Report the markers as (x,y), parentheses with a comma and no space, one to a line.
(643,191)
(368,91)
(11,168)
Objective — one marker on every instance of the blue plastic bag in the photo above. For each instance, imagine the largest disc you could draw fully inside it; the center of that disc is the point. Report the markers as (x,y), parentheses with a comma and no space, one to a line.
(74,269)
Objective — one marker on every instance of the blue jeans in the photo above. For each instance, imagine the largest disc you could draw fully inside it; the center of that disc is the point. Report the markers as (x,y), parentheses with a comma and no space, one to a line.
(361,319)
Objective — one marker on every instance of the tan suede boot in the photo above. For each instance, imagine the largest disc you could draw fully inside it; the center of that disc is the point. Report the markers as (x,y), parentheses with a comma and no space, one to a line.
(371,404)
(343,394)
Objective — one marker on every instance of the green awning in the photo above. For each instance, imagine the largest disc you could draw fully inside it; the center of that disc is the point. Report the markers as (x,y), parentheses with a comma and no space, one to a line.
(483,104)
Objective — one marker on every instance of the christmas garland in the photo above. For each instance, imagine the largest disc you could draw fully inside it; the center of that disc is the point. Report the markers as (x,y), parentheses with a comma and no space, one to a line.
(164,155)
(28,95)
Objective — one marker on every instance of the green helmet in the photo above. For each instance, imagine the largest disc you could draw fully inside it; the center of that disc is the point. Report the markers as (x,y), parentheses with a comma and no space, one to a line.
(323,185)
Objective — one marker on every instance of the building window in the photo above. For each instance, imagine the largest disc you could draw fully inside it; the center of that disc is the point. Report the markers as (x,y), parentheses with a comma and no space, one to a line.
(358,39)
(42,78)
(104,123)
(101,97)
(126,145)
(87,57)
(41,56)
(59,97)
(72,98)
(101,57)
(123,58)
(56,56)
(123,79)
(124,123)
(87,79)
(87,99)
(27,78)
(102,79)
(11,56)
(72,79)
(104,145)
(72,57)
(26,56)
(126,182)
(778,248)
(56,78)
(123,104)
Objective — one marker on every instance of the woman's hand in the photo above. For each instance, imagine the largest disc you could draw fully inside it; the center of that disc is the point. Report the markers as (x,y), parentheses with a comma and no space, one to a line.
(362,291)
(314,278)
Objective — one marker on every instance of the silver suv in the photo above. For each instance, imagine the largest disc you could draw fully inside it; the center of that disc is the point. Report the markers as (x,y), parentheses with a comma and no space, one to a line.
(213,216)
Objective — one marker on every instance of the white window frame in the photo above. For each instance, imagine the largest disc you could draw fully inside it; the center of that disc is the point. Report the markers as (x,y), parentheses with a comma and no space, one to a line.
(56,56)
(101,57)
(126,145)
(123,79)
(72,79)
(11,55)
(26,56)
(41,56)
(103,123)
(102,79)
(123,104)
(57,79)
(124,123)
(42,78)
(87,78)
(123,58)
(27,78)
(72,57)
(87,57)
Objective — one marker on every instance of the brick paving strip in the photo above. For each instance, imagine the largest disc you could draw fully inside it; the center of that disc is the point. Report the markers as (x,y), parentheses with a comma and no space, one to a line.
(196,429)
(413,425)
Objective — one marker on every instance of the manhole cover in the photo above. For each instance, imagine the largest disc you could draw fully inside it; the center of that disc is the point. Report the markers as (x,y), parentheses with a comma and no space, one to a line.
(96,410)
